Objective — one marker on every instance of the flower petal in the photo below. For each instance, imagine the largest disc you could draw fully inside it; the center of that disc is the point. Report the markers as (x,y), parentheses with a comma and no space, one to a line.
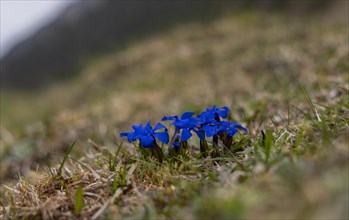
(223,126)
(210,133)
(139,131)
(159,126)
(148,126)
(193,123)
(186,134)
(200,134)
(131,137)
(181,123)
(242,128)
(162,136)
(207,128)
(136,126)
(206,118)
(187,115)
(176,144)
(169,118)
(147,141)
(210,130)
(223,112)
(232,132)
(124,134)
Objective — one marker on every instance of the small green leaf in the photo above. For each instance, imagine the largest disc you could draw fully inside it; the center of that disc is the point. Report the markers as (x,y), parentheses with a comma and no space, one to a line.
(268,144)
(298,142)
(115,185)
(79,200)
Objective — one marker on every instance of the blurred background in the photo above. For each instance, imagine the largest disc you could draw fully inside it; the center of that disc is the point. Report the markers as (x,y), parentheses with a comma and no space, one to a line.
(53,40)
(87,70)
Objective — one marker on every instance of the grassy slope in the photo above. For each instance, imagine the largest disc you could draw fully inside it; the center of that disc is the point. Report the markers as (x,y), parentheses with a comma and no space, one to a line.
(251,62)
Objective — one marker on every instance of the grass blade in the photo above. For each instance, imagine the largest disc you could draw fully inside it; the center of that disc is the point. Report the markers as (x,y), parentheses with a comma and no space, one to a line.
(66,157)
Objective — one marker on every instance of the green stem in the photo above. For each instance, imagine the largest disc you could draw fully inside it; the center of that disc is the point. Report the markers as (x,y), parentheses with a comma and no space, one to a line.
(227,141)
(174,138)
(184,145)
(203,147)
(157,152)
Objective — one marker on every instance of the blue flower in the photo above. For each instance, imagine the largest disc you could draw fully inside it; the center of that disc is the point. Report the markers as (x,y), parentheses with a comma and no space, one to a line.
(211,129)
(213,114)
(224,126)
(186,123)
(147,134)
(185,115)
(231,128)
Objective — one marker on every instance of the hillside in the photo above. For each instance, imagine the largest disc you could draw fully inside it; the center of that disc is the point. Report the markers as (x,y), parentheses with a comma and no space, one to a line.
(281,74)
(88,29)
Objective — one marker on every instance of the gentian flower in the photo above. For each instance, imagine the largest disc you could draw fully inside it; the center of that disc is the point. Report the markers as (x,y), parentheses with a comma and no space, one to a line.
(186,123)
(147,135)
(225,130)
(231,127)
(213,114)
(211,129)
(185,115)
(223,126)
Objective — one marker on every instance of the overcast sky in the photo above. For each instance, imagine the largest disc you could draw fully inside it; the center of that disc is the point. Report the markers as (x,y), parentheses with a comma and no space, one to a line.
(20,19)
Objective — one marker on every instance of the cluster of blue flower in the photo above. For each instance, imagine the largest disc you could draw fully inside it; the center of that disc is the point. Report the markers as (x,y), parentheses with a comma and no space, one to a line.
(207,124)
